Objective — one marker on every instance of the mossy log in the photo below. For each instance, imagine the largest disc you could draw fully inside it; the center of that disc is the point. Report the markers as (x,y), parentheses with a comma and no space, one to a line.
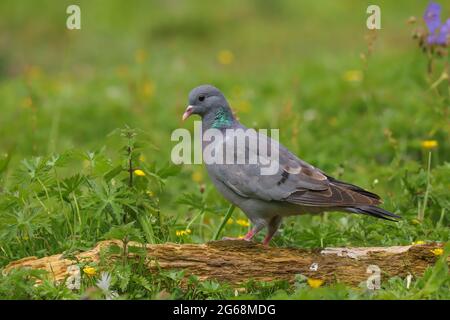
(236,262)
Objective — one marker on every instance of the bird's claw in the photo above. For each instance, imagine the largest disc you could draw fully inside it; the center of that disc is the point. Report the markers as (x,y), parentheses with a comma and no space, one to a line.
(233,239)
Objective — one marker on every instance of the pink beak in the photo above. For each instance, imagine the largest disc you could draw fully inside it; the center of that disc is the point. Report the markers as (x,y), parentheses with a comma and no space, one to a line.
(188,112)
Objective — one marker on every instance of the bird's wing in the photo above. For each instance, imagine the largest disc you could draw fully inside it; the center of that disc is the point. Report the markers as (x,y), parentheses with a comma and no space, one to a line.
(295,181)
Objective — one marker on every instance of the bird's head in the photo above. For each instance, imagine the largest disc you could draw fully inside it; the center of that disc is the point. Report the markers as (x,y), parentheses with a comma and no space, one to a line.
(205,100)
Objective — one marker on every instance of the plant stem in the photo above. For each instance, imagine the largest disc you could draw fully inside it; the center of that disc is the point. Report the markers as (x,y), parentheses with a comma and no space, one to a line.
(43,187)
(125,250)
(224,221)
(130,167)
(77,208)
(195,218)
(421,213)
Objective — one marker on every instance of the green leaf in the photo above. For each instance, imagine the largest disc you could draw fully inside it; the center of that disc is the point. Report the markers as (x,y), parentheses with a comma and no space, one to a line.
(124,231)
(224,222)
(169,170)
(112,173)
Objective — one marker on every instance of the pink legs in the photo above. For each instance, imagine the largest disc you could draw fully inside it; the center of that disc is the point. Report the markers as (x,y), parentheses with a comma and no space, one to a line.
(267,239)
(247,237)
(272,227)
(249,234)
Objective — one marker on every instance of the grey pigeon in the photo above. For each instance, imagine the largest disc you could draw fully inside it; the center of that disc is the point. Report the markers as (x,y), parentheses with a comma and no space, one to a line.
(296,188)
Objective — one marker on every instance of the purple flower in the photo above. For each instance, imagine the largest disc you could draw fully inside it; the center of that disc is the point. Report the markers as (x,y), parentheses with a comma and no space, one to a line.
(432,16)
(444,33)
(432,19)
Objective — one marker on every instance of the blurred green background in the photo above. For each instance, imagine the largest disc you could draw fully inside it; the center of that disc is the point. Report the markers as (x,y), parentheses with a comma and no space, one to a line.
(355,103)
(358,104)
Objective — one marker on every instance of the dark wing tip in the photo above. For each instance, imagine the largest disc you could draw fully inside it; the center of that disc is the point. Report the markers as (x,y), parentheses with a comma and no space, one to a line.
(355,188)
(374,211)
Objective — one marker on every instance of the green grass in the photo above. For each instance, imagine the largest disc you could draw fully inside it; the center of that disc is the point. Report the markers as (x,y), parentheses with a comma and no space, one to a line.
(64,165)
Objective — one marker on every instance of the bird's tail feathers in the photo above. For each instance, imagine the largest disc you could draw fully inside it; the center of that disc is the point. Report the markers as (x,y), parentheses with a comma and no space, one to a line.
(374,211)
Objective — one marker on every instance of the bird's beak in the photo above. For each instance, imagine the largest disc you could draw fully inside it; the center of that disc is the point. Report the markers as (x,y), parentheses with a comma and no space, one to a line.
(188,112)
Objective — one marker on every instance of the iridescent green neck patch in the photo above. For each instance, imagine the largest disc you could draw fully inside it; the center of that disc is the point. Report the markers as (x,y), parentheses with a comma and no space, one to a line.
(222,119)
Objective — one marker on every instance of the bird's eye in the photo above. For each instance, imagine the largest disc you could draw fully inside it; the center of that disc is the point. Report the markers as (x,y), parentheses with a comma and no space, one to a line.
(201,97)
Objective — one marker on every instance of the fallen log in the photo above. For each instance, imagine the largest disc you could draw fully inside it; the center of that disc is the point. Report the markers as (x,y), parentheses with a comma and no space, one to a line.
(236,262)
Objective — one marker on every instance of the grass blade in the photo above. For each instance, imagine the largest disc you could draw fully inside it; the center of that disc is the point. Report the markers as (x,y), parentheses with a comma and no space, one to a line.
(224,222)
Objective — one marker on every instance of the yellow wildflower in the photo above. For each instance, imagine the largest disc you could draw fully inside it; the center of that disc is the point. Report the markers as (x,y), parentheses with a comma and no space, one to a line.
(140,56)
(27,102)
(242,106)
(243,222)
(225,57)
(437,252)
(230,221)
(236,91)
(122,71)
(181,233)
(139,173)
(90,271)
(315,283)
(197,176)
(429,144)
(148,88)
(418,243)
(332,121)
(353,76)
(33,72)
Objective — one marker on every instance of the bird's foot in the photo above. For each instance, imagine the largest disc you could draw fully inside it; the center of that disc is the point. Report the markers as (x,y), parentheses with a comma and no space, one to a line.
(266,240)
(232,238)
(247,237)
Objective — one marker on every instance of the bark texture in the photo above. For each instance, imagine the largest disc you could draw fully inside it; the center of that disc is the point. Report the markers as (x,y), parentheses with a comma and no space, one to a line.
(236,262)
